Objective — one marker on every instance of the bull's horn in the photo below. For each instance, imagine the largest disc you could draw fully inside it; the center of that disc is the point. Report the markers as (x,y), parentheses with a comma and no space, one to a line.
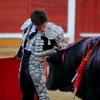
(45,53)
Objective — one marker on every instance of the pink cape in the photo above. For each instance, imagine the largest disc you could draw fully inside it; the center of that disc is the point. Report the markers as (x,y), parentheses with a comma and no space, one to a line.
(9,83)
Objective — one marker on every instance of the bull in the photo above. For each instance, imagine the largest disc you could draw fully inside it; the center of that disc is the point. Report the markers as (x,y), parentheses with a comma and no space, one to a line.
(61,73)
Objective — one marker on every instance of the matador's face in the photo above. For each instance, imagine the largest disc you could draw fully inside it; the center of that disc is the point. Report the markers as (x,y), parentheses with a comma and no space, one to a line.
(41,27)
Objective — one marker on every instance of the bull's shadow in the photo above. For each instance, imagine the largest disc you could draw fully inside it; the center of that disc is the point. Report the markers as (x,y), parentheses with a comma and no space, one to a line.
(61,73)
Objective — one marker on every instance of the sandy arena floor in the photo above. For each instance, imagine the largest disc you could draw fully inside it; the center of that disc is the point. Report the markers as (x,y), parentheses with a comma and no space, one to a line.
(54,95)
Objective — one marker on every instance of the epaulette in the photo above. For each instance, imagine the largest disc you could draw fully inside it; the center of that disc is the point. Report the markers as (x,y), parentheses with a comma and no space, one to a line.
(52,30)
(26,24)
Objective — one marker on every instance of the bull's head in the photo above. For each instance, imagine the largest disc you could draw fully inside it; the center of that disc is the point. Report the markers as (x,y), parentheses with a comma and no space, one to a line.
(55,79)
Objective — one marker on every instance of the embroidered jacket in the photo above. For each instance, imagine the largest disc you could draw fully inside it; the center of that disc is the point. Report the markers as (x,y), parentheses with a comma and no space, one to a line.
(37,41)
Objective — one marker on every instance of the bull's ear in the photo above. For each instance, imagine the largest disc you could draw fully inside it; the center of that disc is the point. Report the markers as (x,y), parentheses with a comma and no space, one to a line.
(45,53)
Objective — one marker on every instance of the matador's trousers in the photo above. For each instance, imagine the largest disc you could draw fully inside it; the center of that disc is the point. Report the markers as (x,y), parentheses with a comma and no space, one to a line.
(32,78)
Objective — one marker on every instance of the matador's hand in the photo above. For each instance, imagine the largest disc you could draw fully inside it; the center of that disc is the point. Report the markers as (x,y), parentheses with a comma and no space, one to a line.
(44,63)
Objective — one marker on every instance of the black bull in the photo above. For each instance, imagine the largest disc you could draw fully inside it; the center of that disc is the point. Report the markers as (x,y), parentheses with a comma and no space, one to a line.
(61,73)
